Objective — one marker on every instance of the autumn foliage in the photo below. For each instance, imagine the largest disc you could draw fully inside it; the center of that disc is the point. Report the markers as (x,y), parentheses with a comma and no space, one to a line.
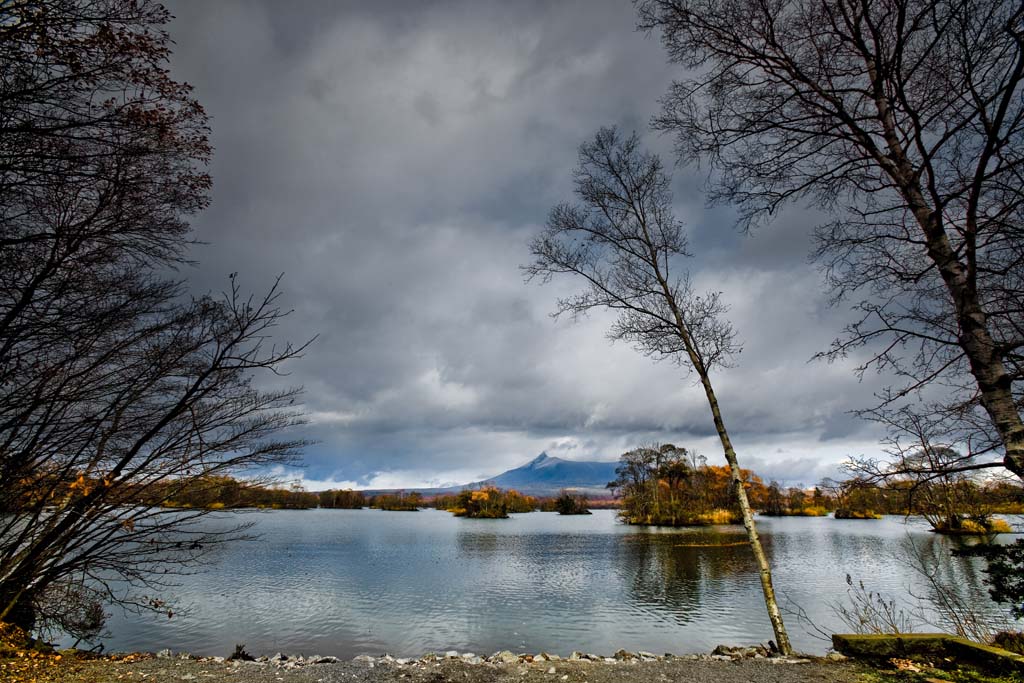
(20,662)
(24,659)
(489,502)
(666,485)
(398,502)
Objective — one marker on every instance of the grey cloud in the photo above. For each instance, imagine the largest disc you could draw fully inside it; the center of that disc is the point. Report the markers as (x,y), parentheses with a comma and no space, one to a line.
(802,472)
(393,160)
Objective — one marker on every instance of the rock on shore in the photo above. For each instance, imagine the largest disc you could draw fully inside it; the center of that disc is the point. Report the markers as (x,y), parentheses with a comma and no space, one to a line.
(452,667)
(726,665)
(502,658)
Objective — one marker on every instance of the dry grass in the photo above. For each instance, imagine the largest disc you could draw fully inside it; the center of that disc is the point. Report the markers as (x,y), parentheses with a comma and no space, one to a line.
(719,516)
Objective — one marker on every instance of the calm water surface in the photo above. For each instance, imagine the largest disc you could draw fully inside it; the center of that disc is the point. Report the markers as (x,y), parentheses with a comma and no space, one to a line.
(349,582)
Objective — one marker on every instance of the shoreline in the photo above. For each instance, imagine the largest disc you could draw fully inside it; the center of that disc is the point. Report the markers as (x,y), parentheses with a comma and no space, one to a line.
(723,665)
(501,658)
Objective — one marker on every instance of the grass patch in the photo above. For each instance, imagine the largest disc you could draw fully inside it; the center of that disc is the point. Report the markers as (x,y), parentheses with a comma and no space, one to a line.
(922,671)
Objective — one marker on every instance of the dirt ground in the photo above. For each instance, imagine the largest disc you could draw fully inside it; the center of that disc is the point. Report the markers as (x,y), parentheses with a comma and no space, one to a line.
(168,670)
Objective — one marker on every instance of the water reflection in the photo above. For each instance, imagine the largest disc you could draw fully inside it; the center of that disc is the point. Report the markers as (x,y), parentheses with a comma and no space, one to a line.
(931,558)
(349,582)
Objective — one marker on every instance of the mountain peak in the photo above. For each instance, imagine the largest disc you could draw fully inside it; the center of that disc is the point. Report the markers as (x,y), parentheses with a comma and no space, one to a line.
(540,461)
(546,475)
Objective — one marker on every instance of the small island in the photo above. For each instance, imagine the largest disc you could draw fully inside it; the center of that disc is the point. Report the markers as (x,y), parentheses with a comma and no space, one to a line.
(569,503)
(669,486)
(488,502)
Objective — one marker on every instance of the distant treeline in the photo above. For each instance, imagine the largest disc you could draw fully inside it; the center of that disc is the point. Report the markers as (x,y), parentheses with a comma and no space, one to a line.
(657,486)
(400,501)
(226,493)
(670,486)
(209,492)
(346,499)
(949,505)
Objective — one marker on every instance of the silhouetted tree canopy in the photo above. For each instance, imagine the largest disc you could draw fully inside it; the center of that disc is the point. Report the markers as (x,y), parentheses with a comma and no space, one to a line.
(117,387)
(904,120)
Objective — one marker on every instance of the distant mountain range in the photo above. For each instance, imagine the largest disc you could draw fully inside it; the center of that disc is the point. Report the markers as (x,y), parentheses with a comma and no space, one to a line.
(545,476)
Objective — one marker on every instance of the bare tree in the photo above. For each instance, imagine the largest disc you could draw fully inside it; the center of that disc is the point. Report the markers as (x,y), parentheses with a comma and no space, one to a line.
(904,119)
(624,242)
(116,386)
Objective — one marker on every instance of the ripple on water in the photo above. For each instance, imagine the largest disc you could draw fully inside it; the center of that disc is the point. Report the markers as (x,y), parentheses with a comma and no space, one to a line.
(353,581)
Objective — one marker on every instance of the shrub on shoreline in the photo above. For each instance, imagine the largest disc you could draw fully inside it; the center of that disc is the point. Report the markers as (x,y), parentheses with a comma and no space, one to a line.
(972,526)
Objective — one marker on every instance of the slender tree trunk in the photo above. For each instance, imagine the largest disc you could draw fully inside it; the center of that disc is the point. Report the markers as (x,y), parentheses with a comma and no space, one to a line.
(764,569)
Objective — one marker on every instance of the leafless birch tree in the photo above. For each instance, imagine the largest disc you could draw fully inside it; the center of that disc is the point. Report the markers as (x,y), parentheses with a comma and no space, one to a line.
(623,241)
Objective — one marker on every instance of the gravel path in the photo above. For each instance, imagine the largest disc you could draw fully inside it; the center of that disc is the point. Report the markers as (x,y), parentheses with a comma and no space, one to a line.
(456,671)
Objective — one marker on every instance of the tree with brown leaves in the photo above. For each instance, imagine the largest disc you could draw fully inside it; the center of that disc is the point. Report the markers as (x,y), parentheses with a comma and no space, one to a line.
(115,384)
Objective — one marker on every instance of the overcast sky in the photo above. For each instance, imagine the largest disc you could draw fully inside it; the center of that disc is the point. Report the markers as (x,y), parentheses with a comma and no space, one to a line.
(393,161)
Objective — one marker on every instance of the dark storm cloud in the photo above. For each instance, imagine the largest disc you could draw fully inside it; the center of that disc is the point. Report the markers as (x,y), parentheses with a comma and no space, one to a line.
(393,160)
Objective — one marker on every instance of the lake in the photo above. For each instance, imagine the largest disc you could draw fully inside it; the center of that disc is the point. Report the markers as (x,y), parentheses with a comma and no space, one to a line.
(347,582)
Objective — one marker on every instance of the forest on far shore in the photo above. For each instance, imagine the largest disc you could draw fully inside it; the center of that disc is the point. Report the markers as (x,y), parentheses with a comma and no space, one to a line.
(663,485)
